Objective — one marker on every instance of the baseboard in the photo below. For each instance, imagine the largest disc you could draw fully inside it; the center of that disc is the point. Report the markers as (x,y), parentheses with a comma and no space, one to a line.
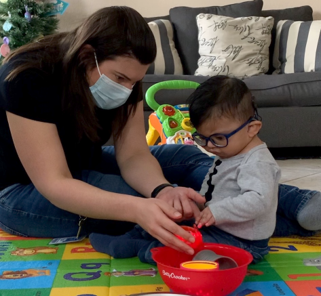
(296,152)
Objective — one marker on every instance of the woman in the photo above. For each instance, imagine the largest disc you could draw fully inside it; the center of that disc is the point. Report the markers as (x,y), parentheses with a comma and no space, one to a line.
(59,115)
(61,99)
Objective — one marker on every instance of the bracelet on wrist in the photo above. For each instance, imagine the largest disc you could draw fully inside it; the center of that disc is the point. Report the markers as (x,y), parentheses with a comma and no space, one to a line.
(160,187)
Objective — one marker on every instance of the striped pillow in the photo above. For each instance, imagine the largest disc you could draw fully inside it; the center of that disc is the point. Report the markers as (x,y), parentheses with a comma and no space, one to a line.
(167,59)
(297,47)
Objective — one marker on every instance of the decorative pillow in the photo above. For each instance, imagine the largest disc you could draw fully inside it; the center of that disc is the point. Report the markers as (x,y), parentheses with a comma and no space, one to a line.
(301,13)
(167,59)
(183,20)
(297,47)
(236,47)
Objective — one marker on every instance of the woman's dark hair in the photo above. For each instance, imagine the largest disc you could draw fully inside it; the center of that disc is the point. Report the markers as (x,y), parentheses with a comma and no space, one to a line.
(110,32)
(220,96)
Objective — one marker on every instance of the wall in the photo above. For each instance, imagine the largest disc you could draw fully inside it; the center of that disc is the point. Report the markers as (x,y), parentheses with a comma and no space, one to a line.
(80,9)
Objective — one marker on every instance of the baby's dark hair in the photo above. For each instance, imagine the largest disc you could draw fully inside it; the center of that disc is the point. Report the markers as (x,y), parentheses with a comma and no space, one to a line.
(221,96)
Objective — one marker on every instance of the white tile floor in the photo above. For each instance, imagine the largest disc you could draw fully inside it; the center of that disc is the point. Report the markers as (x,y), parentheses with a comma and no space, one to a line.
(303,173)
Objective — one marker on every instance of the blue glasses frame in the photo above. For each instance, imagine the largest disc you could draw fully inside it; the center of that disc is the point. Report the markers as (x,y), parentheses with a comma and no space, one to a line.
(227,136)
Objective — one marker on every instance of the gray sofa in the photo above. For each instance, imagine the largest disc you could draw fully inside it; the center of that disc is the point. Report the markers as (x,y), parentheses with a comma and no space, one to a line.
(290,104)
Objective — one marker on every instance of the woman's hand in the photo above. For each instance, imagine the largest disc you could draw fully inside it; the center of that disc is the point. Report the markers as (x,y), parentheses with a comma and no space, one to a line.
(156,217)
(183,200)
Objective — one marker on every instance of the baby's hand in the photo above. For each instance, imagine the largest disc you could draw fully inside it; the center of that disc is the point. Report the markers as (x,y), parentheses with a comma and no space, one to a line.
(206,218)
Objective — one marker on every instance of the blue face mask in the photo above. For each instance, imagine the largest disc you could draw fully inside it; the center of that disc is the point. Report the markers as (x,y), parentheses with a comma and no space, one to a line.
(107,93)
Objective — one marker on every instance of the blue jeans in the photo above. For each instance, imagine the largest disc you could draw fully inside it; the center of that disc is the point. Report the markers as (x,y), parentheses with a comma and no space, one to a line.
(24,211)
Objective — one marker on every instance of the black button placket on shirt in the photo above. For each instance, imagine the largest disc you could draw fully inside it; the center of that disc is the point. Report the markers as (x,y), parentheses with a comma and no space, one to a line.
(209,192)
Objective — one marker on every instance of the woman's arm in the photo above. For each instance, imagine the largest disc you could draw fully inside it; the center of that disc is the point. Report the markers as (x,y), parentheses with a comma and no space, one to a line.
(138,166)
(41,153)
(142,171)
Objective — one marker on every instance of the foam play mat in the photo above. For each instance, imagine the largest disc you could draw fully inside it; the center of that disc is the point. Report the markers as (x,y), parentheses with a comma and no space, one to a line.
(32,267)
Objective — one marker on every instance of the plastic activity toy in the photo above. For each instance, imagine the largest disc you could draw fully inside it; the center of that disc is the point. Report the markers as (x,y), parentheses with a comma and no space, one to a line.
(169,123)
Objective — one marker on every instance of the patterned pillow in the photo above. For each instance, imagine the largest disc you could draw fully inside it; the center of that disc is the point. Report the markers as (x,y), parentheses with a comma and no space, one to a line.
(167,59)
(184,22)
(297,47)
(236,47)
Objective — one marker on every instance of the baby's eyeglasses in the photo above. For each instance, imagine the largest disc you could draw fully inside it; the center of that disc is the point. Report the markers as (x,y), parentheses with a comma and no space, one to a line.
(221,140)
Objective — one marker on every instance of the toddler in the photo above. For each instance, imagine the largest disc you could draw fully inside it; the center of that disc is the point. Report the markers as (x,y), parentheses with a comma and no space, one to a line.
(241,188)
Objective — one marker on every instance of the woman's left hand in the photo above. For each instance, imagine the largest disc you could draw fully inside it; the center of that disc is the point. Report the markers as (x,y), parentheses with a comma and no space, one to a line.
(183,199)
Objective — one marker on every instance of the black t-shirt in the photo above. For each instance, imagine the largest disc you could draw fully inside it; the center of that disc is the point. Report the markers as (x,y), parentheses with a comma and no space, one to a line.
(37,95)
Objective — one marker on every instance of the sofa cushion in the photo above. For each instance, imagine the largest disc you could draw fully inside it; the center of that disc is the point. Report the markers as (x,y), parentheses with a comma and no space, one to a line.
(297,47)
(302,13)
(167,60)
(185,28)
(282,90)
(237,47)
(286,90)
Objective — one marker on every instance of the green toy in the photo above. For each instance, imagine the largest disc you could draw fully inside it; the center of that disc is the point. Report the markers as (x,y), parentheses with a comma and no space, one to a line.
(171,123)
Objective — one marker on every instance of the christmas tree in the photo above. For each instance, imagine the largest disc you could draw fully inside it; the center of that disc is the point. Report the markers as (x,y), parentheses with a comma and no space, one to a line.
(25,21)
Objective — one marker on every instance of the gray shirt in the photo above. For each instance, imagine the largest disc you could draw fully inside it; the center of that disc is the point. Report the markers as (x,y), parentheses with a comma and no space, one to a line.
(242,193)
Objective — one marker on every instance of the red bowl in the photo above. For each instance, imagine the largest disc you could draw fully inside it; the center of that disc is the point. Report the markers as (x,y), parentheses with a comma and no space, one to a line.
(205,282)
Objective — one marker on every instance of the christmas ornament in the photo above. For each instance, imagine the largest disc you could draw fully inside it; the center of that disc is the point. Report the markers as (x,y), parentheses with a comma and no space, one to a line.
(59,7)
(4,48)
(27,21)
(7,24)
(27,14)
